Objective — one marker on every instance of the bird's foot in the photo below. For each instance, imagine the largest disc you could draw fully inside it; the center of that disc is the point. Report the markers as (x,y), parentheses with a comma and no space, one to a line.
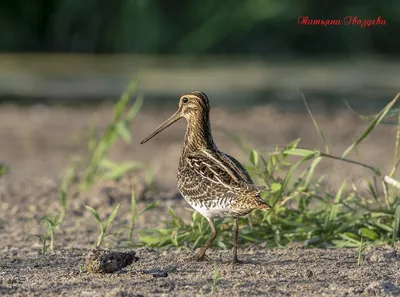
(199,258)
(236,261)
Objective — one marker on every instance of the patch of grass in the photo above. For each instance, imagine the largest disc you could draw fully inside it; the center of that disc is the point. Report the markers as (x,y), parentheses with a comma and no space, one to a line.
(301,210)
(103,226)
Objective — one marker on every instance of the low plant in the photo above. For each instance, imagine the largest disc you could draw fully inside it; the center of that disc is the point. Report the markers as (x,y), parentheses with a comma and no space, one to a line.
(363,245)
(52,223)
(43,241)
(216,278)
(103,226)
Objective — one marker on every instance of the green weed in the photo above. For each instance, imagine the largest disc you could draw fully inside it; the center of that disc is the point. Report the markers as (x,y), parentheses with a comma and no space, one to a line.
(103,226)
(52,223)
(43,241)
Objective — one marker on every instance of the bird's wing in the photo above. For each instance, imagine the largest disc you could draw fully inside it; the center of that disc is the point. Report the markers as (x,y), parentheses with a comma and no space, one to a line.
(238,167)
(218,170)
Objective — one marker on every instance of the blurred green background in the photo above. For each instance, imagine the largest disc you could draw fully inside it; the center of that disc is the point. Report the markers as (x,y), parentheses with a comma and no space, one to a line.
(259,27)
(244,48)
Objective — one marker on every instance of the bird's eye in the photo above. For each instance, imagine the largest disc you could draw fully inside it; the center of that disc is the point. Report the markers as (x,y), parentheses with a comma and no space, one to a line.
(185,100)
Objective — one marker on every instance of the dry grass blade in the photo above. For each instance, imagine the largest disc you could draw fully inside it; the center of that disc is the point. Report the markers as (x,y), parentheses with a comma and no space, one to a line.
(321,135)
(391,181)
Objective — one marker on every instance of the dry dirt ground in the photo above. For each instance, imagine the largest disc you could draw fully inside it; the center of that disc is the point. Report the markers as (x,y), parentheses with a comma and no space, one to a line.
(38,142)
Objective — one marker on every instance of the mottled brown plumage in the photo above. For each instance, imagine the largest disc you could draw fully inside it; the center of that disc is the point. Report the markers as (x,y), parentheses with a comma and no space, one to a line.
(213,183)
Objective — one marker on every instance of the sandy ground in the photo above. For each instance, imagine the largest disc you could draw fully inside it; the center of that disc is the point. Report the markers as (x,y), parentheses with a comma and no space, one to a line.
(290,272)
(38,142)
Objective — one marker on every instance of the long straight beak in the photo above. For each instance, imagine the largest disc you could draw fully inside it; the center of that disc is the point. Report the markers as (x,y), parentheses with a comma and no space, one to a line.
(176,116)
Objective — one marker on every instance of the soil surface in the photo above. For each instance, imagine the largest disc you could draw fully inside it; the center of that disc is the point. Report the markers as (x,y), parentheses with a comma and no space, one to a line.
(37,143)
(271,272)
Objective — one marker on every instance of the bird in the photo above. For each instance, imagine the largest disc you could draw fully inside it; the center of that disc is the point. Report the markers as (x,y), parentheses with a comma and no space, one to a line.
(214,183)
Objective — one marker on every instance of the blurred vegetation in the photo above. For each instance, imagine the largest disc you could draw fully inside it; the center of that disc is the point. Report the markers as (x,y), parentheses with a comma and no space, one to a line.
(195,27)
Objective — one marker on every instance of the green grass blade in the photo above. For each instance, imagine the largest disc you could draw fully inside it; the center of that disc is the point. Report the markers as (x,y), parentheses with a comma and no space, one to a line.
(368,233)
(133,205)
(375,122)
(300,152)
(254,158)
(335,206)
(133,111)
(122,131)
(149,207)
(119,170)
(396,224)
(391,113)
(40,237)
(311,171)
(289,175)
(134,215)
(111,217)
(3,169)
(94,213)
(396,159)
(121,104)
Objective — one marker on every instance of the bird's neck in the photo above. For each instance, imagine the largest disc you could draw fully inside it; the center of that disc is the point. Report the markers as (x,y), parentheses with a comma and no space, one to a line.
(198,135)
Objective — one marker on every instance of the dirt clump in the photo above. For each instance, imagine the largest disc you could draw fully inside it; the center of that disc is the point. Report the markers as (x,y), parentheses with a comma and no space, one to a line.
(108,261)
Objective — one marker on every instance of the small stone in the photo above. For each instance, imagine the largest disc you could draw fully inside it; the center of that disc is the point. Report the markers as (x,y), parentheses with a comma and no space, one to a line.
(391,255)
(309,273)
(14,251)
(156,272)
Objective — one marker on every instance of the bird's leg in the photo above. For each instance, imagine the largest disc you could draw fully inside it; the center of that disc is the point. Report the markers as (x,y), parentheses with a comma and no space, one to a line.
(235,233)
(202,253)
(250,221)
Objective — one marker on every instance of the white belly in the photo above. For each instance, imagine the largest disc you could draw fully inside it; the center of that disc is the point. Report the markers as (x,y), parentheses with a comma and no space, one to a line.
(211,212)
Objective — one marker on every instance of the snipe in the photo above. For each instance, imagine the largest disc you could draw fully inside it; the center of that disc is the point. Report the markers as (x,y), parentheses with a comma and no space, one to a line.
(212,182)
